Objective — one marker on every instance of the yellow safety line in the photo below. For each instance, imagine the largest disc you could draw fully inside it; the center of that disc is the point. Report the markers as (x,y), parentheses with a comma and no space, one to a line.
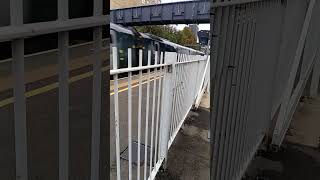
(125,89)
(144,78)
(49,87)
(56,85)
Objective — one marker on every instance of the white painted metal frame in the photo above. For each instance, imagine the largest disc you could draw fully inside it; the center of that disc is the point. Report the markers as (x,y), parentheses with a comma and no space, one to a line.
(171,91)
(17,32)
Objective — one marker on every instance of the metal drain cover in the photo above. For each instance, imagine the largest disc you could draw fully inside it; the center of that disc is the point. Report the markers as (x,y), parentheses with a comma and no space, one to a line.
(125,154)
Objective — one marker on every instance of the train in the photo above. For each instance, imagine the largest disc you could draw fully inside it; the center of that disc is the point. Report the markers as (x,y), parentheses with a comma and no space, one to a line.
(124,38)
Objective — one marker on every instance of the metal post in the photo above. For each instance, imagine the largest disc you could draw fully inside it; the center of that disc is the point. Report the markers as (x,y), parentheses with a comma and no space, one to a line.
(96,99)
(166,108)
(16,9)
(147,117)
(130,112)
(63,47)
(156,154)
(139,112)
(116,110)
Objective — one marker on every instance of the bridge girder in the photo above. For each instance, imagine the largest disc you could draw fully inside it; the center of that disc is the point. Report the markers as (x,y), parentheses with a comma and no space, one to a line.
(189,12)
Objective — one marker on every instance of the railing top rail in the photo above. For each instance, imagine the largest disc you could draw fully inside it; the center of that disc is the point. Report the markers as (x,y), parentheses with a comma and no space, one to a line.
(8,33)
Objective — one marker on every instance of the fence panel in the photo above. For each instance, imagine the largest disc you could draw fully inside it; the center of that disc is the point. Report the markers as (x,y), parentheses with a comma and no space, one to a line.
(146,121)
(29,149)
(263,54)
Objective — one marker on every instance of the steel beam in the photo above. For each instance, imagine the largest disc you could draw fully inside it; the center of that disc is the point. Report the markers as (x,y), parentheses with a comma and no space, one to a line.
(190,12)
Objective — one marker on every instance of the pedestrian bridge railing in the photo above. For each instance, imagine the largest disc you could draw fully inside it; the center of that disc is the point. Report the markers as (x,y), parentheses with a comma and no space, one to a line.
(265,58)
(34,148)
(147,119)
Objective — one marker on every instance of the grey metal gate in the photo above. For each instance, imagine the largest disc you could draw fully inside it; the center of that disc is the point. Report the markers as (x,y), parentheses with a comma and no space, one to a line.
(263,54)
(17,32)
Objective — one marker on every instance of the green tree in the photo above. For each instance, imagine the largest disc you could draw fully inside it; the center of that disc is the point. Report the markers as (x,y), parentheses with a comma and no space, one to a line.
(187,37)
(184,37)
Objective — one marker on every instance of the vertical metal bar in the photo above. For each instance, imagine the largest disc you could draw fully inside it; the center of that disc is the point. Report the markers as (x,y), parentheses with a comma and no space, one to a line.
(147,118)
(236,95)
(139,111)
(219,89)
(96,104)
(244,106)
(116,110)
(158,108)
(166,110)
(174,97)
(96,100)
(216,31)
(153,110)
(63,47)
(20,124)
(173,116)
(185,88)
(179,92)
(63,106)
(63,10)
(130,112)
(98,7)
(253,132)
(248,138)
(227,26)
(231,42)
(16,12)
(241,85)
(19,109)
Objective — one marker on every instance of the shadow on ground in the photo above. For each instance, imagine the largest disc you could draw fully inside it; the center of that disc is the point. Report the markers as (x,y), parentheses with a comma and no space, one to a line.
(292,162)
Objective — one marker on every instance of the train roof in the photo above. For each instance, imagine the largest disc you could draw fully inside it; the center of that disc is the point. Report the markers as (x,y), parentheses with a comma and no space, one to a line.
(165,41)
(125,30)
(120,29)
(150,36)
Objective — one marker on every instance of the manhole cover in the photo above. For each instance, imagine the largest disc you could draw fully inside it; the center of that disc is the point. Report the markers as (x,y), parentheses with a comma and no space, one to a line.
(125,154)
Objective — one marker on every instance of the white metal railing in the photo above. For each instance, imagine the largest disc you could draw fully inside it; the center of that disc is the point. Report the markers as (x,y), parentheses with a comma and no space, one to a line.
(146,120)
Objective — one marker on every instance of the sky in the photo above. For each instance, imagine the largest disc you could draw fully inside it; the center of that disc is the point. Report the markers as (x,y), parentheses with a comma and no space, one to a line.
(181,26)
